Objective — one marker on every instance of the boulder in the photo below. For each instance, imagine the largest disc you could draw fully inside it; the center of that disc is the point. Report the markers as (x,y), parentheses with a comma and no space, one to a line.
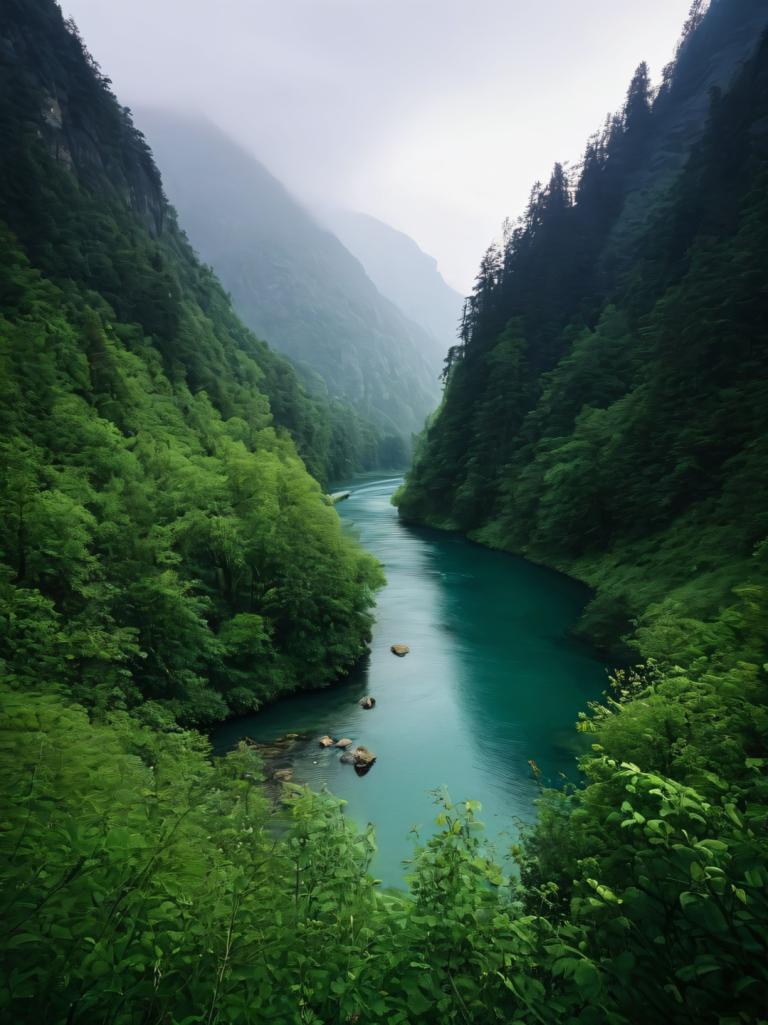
(363,757)
(400,650)
(344,742)
(360,757)
(326,741)
(368,702)
(283,775)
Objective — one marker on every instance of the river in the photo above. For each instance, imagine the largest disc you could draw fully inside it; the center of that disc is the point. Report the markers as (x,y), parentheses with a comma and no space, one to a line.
(492,680)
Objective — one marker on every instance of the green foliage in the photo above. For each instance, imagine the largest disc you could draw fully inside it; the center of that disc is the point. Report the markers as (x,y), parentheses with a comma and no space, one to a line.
(160,538)
(166,559)
(168,546)
(143,883)
(626,445)
(625,442)
(81,193)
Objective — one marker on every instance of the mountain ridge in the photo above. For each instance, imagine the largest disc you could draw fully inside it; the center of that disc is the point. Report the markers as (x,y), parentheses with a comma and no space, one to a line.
(403,272)
(290,278)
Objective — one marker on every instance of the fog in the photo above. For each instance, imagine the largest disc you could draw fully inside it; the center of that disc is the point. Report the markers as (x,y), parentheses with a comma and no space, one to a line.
(434,115)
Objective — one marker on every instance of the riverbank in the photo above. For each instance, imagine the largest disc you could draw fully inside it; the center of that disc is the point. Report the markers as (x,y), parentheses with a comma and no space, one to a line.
(493,680)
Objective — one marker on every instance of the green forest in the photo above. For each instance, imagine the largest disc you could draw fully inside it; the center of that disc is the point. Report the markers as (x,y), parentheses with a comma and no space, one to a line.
(606,413)
(169,559)
(165,548)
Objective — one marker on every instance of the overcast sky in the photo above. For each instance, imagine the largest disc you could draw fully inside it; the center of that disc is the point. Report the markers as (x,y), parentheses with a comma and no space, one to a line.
(434,115)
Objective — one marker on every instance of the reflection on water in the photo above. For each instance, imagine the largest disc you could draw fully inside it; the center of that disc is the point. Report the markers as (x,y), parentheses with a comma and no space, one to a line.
(492,680)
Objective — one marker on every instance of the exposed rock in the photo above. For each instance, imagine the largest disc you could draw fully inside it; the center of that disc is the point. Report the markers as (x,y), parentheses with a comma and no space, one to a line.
(360,757)
(283,775)
(400,649)
(368,702)
(52,112)
(344,742)
(363,756)
(326,741)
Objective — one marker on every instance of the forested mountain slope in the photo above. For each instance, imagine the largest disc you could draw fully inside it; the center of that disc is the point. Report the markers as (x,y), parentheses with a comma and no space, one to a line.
(76,240)
(608,415)
(404,273)
(707,61)
(606,412)
(161,540)
(291,280)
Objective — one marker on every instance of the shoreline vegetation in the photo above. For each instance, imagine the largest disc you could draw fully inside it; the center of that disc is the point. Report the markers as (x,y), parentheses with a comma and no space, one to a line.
(619,436)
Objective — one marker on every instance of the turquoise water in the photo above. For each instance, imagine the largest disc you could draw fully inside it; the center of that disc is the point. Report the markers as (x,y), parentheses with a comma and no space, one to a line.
(492,680)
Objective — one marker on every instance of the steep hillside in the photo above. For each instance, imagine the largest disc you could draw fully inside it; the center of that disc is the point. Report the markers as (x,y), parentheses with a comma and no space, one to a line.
(160,537)
(708,60)
(291,280)
(606,413)
(403,273)
(606,403)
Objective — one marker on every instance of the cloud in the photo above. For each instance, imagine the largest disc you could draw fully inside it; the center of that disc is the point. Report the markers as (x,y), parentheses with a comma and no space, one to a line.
(434,115)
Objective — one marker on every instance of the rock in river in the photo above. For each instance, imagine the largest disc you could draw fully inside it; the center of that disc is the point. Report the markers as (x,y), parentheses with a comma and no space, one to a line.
(344,742)
(363,756)
(326,741)
(400,649)
(360,757)
(368,702)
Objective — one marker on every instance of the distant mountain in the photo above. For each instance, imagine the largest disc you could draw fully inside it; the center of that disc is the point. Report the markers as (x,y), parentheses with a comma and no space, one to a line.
(402,272)
(290,279)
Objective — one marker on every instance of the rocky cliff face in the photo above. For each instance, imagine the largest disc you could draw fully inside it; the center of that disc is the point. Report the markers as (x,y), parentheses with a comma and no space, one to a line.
(56,95)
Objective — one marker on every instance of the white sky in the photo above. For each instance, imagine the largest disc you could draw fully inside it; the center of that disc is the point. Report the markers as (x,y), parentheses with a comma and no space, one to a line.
(434,115)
